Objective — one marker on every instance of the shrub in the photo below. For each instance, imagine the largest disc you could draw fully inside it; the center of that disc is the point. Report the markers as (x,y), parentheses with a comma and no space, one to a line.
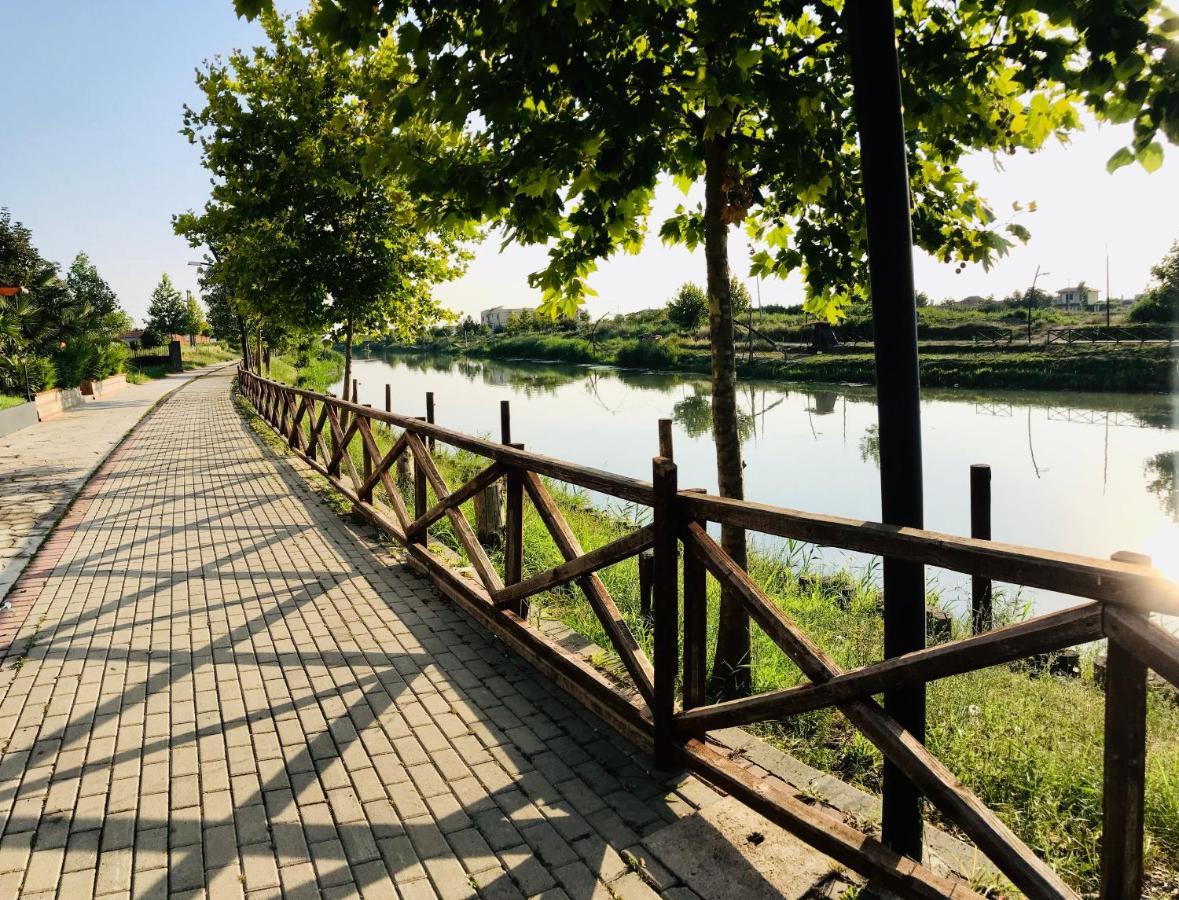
(1157,305)
(689,307)
(20,377)
(647,355)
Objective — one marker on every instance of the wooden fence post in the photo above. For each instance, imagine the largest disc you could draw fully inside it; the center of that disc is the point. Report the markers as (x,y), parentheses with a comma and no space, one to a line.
(367,467)
(666,603)
(335,444)
(1124,783)
(513,512)
(981,608)
(421,500)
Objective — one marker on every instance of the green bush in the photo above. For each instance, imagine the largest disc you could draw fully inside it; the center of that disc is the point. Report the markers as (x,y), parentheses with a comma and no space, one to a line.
(647,355)
(35,372)
(1158,305)
(689,307)
(87,359)
(543,347)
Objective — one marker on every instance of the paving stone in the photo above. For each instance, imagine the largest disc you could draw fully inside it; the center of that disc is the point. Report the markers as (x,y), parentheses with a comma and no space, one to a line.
(248,696)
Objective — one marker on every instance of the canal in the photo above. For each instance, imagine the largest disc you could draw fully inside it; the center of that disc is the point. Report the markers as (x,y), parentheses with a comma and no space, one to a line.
(1078,472)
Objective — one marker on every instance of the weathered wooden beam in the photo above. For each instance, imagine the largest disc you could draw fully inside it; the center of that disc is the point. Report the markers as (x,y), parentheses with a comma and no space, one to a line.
(458,496)
(1081,576)
(826,832)
(665,605)
(599,598)
(1046,633)
(458,522)
(606,555)
(1026,871)
(1153,646)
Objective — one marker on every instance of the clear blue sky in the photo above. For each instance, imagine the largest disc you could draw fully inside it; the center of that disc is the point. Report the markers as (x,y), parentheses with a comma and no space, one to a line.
(91,159)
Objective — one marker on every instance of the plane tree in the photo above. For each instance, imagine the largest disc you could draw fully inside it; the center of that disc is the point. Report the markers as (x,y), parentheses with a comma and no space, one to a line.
(574,111)
(309,236)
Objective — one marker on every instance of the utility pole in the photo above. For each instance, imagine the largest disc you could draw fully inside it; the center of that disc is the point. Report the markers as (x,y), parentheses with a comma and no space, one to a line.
(1031,300)
(1107,288)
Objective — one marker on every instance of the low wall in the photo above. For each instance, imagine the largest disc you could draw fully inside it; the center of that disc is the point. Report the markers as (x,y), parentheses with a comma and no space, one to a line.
(17,417)
(106,386)
(55,402)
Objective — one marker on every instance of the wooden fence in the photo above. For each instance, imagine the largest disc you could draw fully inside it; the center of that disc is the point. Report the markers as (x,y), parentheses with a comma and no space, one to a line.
(1119,595)
(1112,334)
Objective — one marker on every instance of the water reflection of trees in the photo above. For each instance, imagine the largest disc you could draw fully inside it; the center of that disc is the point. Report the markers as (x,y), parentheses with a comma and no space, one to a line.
(694,414)
(870,445)
(1160,472)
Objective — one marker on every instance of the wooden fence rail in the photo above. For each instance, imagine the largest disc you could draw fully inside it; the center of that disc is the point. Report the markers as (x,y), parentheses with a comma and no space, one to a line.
(667,712)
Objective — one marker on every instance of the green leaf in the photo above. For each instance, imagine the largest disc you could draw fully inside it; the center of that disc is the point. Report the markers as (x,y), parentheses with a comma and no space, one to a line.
(1150,157)
(1123,157)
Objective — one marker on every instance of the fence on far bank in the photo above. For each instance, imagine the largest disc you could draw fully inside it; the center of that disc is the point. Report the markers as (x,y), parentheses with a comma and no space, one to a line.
(668,712)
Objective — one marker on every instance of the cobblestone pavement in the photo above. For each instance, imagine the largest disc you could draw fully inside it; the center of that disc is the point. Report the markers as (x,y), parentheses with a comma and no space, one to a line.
(222,689)
(43,466)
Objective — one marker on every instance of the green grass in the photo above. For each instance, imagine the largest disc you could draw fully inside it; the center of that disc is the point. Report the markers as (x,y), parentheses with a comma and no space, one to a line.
(7,400)
(192,358)
(315,370)
(1129,368)
(1030,747)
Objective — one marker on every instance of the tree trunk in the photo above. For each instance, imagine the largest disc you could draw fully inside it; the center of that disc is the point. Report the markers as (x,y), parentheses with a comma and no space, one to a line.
(347,394)
(730,669)
(244,337)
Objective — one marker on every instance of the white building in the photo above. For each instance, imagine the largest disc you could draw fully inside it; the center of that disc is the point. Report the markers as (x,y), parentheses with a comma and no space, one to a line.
(497,316)
(1076,298)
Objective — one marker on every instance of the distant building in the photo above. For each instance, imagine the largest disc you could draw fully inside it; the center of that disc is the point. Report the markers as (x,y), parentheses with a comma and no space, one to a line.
(498,316)
(1076,298)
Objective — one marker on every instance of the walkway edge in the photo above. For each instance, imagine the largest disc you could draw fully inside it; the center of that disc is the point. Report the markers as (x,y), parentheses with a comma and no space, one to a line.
(48,546)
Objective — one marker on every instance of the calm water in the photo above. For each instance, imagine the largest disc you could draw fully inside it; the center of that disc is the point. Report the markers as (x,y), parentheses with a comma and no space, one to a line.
(1080,472)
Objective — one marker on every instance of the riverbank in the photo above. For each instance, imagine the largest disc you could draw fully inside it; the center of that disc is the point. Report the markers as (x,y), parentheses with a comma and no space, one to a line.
(1030,747)
(1135,368)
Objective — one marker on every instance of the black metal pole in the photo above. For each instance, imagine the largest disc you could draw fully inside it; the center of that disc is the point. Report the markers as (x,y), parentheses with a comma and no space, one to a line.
(877,86)
(982,612)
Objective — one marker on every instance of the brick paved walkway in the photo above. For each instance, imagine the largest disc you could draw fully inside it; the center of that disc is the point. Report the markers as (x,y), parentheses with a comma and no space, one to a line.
(222,689)
(35,491)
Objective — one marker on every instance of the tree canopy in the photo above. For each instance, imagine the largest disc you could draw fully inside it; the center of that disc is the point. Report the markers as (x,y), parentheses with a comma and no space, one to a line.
(576,108)
(167,313)
(309,237)
(1160,303)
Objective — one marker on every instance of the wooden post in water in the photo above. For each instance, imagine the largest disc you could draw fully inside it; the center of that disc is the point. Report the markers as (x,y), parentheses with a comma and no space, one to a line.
(981,607)
(430,417)
(1124,789)
(666,610)
(388,398)
(513,512)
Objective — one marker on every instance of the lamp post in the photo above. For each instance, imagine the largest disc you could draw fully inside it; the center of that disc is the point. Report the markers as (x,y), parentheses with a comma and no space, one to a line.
(1032,299)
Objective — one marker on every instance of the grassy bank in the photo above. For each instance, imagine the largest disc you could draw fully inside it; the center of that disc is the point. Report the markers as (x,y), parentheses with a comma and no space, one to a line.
(1138,369)
(6,401)
(1031,748)
(315,370)
(150,367)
